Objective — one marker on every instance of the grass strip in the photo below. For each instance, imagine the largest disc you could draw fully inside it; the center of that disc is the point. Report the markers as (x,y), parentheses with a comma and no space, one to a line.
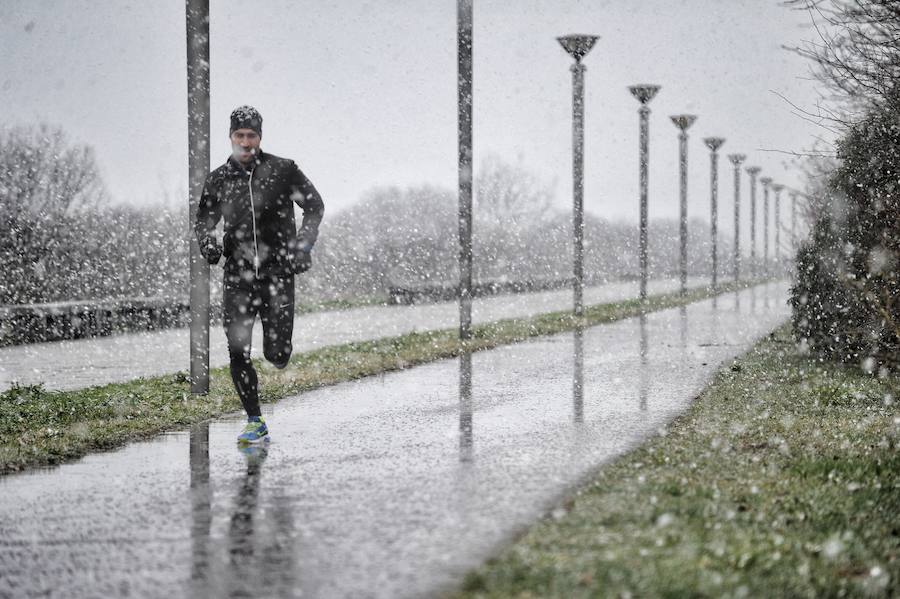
(40,427)
(782,480)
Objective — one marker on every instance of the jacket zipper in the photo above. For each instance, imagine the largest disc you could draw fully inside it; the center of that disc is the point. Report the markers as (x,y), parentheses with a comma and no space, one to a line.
(253,216)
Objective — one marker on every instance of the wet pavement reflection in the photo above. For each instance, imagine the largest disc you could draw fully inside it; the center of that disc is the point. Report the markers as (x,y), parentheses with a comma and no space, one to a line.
(465,407)
(643,375)
(578,375)
(391,486)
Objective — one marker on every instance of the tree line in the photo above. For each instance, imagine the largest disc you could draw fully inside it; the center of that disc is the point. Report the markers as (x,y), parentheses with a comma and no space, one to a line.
(846,299)
(67,241)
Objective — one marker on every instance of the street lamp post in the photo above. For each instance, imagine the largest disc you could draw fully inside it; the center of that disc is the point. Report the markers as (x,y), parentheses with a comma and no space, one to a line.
(714,143)
(464,139)
(683,122)
(197,20)
(753,171)
(644,93)
(736,160)
(776,254)
(766,181)
(578,46)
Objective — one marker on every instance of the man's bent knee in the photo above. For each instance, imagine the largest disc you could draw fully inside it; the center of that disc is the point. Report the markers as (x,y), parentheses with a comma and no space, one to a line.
(279,360)
(279,357)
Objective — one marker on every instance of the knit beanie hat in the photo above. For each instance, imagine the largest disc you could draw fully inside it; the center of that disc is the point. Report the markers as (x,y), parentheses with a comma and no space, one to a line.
(246,117)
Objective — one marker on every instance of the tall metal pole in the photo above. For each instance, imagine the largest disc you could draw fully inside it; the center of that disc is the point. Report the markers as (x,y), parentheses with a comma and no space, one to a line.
(714,143)
(776,257)
(578,189)
(753,171)
(197,20)
(578,46)
(644,93)
(736,160)
(464,135)
(765,183)
(683,122)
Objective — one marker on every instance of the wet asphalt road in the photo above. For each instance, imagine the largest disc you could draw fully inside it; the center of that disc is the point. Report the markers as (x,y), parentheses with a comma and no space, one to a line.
(392,486)
(87,362)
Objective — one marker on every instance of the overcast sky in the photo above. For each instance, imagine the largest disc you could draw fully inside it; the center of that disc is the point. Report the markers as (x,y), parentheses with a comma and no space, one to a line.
(363,93)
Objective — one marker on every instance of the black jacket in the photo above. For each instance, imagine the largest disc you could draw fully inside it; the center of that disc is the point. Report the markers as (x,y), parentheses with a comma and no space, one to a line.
(260,232)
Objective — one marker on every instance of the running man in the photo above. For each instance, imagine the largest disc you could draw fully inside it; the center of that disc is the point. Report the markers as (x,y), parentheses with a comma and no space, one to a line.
(254,193)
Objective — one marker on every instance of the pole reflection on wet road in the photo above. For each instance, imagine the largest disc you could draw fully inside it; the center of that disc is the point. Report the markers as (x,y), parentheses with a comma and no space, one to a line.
(390,486)
(465,407)
(642,371)
(578,375)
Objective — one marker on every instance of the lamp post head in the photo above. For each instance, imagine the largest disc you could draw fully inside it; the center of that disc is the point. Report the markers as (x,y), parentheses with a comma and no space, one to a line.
(577,45)
(777,187)
(644,92)
(753,170)
(713,143)
(765,181)
(683,121)
(737,159)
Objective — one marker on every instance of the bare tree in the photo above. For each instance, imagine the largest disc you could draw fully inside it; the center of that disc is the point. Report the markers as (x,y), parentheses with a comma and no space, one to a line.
(855,52)
(508,194)
(43,175)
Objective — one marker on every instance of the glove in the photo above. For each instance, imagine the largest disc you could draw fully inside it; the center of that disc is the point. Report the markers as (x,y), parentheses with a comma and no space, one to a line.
(211,250)
(301,260)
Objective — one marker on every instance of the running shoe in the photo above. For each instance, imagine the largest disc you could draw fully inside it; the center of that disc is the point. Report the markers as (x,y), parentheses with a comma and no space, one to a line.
(255,432)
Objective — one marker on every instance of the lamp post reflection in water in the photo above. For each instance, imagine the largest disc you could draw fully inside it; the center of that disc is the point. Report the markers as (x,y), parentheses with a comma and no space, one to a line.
(201,516)
(645,376)
(465,407)
(578,375)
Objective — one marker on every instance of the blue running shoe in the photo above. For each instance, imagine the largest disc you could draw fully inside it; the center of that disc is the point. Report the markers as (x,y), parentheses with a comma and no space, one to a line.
(255,431)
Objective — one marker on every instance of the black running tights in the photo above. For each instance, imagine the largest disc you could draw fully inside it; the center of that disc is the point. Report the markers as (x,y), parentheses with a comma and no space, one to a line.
(272,298)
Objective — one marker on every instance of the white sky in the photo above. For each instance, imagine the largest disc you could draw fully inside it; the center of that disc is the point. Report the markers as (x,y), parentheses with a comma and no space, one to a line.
(363,93)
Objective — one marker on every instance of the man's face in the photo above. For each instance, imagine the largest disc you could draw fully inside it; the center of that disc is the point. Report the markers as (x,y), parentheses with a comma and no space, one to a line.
(244,145)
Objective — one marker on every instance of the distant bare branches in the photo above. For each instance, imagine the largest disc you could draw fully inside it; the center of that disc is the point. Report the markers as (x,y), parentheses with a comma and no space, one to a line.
(42,175)
(855,50)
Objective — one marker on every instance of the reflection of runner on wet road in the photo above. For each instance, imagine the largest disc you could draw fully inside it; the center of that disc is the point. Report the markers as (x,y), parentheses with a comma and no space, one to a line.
(254,193)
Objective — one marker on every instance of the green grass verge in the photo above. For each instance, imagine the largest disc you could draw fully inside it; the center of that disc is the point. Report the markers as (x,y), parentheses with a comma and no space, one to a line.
(40,427)
(782,480)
